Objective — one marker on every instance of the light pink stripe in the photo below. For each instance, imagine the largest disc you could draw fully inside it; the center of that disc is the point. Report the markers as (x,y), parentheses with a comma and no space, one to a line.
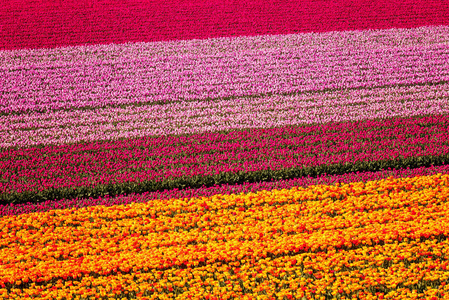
(62,127)
(98,76)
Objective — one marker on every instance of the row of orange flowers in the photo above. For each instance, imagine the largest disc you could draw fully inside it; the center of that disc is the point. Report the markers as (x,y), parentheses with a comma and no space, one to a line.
(390,269)
(63,253)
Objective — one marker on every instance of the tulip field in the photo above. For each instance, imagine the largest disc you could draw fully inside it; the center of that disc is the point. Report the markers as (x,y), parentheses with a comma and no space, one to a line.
(219,149)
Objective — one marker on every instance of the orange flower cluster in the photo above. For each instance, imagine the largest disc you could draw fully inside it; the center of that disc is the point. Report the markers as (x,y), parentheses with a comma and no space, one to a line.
(382,239)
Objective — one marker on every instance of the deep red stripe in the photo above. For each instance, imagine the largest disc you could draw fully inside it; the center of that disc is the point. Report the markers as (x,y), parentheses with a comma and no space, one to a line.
(53,23)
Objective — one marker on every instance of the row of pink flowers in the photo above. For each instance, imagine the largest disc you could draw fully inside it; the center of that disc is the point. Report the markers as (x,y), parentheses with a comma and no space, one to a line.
(112,123)
(57,79)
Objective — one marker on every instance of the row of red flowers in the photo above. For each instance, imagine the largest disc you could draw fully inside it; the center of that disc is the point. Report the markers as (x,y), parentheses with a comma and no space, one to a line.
(46,24)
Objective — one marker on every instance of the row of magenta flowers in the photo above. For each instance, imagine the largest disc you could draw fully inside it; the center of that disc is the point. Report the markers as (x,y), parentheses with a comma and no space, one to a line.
(390,236)
(150,164)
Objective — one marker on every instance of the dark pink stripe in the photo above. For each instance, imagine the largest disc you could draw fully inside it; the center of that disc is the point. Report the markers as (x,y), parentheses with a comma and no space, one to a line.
(55,23)
(165,158)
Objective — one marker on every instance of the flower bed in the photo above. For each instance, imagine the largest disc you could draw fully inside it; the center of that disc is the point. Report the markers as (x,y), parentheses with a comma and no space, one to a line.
(221,150)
